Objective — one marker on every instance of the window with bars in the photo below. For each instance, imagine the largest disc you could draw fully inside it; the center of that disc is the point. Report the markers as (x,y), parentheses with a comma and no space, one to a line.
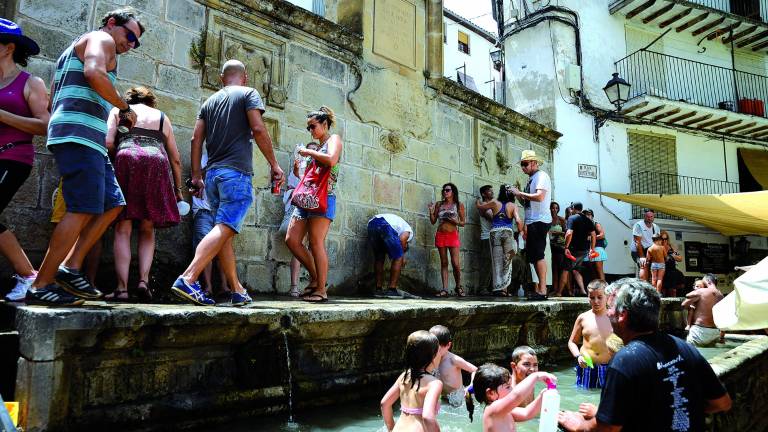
(652,167)
(463,42)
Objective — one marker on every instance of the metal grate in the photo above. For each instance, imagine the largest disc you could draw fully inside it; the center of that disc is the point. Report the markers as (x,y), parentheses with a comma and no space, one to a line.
(648,182)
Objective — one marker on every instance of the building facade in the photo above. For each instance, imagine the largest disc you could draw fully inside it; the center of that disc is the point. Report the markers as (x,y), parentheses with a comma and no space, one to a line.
(695,117)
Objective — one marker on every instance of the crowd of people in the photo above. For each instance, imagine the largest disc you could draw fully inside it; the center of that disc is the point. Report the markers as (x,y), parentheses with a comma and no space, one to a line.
(623,353)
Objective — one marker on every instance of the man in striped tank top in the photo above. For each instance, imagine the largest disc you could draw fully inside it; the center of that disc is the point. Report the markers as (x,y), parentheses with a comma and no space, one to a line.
(82,94)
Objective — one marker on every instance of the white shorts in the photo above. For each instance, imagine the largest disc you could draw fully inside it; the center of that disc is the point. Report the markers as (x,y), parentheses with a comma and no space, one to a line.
(702,336)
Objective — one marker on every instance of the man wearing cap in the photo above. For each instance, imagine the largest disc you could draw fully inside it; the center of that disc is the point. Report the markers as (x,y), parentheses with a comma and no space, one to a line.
(389,234)
(227,121)
(23,114)
(536,199)
(82,94)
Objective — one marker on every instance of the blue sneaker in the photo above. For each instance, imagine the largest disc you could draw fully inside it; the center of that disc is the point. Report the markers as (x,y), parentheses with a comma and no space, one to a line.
(241,299)
(191,293)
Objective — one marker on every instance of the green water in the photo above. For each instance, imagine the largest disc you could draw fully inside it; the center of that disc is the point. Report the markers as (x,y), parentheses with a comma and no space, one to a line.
(366,417)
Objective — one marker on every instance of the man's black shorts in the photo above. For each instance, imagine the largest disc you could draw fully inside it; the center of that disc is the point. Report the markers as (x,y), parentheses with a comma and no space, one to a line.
(569,264)
(536,241)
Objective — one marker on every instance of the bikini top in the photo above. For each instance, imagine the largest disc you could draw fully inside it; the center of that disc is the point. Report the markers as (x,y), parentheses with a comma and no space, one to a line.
(415,411)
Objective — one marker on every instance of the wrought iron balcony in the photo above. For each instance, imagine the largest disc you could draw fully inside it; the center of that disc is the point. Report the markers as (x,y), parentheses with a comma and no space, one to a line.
(648,182)
(753,9)
(678,79)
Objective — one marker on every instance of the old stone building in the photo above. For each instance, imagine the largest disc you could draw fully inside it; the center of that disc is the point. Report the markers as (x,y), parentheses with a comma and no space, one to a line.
(376,63)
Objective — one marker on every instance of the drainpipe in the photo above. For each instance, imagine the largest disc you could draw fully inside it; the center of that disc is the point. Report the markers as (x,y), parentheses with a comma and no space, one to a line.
(434,39)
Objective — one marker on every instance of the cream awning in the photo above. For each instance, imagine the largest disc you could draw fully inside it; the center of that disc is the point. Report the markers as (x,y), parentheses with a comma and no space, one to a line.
(730,214)
(757,164)
(746,308)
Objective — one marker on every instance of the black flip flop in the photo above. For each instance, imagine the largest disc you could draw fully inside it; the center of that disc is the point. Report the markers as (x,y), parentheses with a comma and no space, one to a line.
(320,298)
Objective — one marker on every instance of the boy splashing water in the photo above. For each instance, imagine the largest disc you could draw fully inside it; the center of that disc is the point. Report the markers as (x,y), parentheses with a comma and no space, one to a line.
(593,329)
(451,365)
(492,385)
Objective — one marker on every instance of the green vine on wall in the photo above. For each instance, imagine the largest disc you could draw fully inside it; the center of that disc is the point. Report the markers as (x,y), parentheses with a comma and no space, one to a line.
(197,50)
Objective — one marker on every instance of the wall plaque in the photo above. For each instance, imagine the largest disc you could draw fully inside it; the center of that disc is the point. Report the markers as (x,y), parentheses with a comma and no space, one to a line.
(394,31)
(588,171)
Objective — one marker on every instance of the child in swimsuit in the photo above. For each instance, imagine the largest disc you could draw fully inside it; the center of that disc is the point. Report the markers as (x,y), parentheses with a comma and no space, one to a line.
(657,256)
(492,386)
(417,388)
(593,329)
(450,367)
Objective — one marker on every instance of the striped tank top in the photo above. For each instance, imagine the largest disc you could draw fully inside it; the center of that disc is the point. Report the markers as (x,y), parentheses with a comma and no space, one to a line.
(78,113)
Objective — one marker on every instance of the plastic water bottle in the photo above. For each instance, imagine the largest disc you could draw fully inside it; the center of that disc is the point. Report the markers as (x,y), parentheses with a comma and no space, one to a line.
(550,407)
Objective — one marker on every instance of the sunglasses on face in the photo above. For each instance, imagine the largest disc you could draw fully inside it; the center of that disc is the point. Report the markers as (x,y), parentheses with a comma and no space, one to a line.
(524,164)
(447,190)
(665,238)
(131,36)
(311,127)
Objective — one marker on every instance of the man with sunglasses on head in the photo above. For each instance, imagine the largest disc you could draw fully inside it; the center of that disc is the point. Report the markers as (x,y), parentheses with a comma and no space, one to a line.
(82,94)
(538,218)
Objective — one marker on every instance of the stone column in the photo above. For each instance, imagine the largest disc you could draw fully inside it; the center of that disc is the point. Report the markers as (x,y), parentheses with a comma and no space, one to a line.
(434,39)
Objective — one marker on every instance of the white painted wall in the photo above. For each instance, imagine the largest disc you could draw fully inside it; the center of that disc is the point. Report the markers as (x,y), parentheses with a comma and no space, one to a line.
(478,61)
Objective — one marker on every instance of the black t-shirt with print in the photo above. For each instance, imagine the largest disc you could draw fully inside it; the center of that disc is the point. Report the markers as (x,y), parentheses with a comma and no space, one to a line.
(658,382)
(581,226)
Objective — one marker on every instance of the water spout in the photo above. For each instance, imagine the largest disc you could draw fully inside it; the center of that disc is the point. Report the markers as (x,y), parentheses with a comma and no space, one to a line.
(283,319)
(285,322)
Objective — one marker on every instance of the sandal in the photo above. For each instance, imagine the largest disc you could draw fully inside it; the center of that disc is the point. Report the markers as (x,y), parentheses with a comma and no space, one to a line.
(315,298)
(294,292)
(143,292)
(460,292)
(117,296)
(501,293)
(442,293)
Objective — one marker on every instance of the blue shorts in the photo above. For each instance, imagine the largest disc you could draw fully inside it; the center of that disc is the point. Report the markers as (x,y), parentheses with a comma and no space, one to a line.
(591,378)
(602,255)
(330,212)
(230,195)
(384,239)
(88,182)
(202,223)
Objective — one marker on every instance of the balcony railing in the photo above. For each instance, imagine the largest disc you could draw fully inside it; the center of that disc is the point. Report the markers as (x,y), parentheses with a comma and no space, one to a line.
(654,74)
(754,9)
(647,182)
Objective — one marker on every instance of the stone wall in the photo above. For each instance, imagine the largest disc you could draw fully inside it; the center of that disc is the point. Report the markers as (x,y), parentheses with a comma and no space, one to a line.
(403,136)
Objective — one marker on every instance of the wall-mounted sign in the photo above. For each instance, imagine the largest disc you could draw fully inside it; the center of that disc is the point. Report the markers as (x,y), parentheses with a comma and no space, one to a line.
(706,257)
(588,171)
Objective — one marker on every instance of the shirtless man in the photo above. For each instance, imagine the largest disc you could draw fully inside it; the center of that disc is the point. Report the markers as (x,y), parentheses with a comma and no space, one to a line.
(702,330)
(594,329)
(450,367)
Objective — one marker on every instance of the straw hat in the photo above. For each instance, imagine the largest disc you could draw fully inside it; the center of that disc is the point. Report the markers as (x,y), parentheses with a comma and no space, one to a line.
(530,155)
(10,32)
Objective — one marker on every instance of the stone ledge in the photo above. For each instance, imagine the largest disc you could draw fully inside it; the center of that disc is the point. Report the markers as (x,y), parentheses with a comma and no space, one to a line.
(497,114)
(297,17)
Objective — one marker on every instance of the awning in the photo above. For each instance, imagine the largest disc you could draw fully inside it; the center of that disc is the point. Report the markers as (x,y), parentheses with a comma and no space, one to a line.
(730,214)
(757,164)
(746,308)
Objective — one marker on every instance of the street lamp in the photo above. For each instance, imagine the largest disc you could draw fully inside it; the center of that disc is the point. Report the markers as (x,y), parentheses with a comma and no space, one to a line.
(497,59)
(617,90)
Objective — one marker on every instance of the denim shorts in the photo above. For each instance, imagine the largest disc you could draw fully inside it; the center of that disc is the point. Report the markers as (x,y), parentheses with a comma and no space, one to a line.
(230,195)
(202,223)
(330,212)
(88,181)
(384,239)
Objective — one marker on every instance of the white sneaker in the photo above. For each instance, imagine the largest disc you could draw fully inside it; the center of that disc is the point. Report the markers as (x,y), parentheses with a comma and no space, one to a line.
(19,292)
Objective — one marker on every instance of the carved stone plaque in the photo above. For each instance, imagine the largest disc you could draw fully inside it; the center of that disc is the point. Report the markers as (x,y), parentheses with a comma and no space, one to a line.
(262,53)
(394,31)
(492,152)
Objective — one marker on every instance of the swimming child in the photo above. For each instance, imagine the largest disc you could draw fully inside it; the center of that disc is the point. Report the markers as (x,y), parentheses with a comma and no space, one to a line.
(523,362)
(450,367)
(697,284)
(418,390)
(593,329)
(657,257)
(492,386)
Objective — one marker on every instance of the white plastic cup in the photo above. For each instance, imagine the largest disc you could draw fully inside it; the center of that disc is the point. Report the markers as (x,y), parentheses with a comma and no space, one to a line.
(183,208)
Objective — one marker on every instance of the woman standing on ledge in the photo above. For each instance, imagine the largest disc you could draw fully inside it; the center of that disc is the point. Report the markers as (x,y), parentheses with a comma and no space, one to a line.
(316,224)
(450,212)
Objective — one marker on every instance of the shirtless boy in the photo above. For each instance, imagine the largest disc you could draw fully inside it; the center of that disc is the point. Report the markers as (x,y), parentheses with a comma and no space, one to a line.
(593,328)
(657,258)
(523,362)
(702,331)
(451,365)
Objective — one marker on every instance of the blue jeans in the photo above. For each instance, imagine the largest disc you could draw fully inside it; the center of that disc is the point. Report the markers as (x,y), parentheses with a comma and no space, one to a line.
(88,179)
(230,195)
(384,239)
(330,212)
(202,223)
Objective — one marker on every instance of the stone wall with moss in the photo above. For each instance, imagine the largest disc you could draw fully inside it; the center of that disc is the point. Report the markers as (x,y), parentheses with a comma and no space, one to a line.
(404,135)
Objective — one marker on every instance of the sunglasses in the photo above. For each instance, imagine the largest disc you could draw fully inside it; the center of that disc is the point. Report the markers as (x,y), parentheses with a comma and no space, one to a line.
(131,36)
(524,164)
(447,190)
(311,127)
(665,238)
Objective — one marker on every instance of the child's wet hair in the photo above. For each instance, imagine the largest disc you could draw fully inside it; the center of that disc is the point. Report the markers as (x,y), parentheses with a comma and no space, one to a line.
(442,333)
(597,284)
(420,349)
(656,237)
(518,352)
(488,377)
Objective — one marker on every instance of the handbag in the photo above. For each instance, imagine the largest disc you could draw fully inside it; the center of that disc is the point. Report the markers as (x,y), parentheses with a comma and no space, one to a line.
(312,191)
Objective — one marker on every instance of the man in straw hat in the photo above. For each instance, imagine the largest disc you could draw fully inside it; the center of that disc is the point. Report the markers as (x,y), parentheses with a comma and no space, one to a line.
(536,199)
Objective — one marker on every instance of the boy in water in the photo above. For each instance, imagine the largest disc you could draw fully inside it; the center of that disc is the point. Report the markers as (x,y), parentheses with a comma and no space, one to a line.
(657,257)
(523,362)
(451,365)
(492,385)
(702,330)
(593,328)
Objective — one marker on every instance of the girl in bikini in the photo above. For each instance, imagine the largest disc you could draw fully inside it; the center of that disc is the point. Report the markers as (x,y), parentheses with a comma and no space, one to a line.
(451,214)
(417,388)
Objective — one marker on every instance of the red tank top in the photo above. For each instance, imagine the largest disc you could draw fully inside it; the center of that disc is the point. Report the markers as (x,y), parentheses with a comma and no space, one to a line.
(12,100)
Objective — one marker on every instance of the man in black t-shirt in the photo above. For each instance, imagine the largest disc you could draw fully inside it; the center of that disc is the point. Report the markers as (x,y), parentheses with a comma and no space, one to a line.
(580,240)
(657,382)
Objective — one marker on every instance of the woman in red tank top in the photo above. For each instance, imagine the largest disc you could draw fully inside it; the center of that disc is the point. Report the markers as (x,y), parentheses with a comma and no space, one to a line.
(23,114)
